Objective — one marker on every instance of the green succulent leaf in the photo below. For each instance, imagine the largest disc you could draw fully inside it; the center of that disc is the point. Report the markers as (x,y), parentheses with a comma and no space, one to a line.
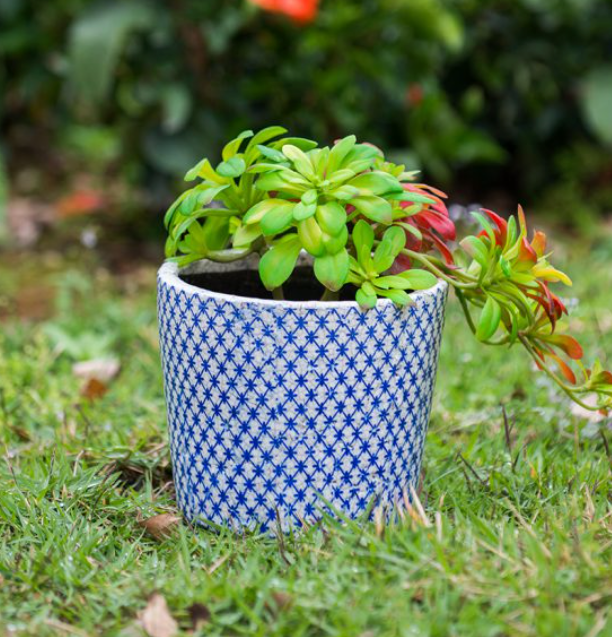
(233,167)
(300,160)
(490,318)
(374,208)
(257,212)
(399,297)
(414,231)
(271,153)
(419,279)
(216,232)
(278,219)
(284,180)
(265,167)
(363,239)
(334,243)
(363,236)
(302,211)
(338,153)
(361,157)
(198,197)
(204,170)
(331,217)
(310,197)
(231,148)
(265,135)
(376,183)
(332,269)
(277,264)
(245,235)
(340,176)
(476,249)
(386,252)
(486,226)
(311,236)
(185,222)
(300,142)
(366,296)
(344,193)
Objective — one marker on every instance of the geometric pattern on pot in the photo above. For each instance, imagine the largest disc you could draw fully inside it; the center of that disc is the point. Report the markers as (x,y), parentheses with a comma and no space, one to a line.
(276,408)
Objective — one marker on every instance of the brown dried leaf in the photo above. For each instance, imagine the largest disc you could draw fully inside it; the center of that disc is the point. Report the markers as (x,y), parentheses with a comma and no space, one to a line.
(156,619)
(218,563)
(93,389)
(96,374)
(161,526)
(282,599)
(199,615)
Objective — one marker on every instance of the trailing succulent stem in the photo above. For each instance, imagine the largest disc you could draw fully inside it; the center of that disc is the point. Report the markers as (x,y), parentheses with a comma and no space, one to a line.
(368,225)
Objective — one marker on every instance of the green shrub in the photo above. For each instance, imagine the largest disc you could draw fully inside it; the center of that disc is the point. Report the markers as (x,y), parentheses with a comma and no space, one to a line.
(450,85)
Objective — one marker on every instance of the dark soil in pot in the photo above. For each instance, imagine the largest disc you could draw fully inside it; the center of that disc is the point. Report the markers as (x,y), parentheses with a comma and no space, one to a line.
(302,286)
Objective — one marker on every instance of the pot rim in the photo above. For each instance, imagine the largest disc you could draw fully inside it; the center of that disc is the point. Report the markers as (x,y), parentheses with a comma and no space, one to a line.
(169,272)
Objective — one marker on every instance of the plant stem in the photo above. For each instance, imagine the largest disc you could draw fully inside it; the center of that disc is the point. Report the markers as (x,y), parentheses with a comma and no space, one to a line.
(277,293)
(470,284)
(571,392)
(466,310)
(227,256)
(328,295)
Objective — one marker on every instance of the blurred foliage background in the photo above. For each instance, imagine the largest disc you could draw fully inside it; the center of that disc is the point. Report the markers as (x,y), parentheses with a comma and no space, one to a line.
(106,104)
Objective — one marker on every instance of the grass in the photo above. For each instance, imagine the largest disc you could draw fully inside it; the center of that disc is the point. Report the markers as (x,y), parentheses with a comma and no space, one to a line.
(515,539)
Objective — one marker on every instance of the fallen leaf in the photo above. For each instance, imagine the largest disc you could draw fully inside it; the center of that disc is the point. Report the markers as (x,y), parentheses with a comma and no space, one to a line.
(199,615)
(101,369)
(22,434)
(156,619)
(93,389)
(96,374)
(160,526)
(282,600)
(61,627)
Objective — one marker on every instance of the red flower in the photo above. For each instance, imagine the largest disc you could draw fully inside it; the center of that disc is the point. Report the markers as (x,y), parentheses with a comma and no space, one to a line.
(299,10)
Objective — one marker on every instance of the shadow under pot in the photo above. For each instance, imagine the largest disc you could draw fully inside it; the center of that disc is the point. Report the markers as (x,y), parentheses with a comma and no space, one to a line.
(280,412)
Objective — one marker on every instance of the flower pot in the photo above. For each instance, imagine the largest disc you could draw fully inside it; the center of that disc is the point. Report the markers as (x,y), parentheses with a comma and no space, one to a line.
(280,411)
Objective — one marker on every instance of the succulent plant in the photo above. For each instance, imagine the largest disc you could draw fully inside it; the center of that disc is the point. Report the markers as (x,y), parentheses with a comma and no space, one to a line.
(368,226)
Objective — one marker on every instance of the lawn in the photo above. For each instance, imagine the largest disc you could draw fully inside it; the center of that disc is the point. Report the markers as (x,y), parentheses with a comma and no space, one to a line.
(514,536)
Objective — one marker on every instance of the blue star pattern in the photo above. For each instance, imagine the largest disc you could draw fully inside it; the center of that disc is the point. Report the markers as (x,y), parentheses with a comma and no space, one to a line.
(278,409)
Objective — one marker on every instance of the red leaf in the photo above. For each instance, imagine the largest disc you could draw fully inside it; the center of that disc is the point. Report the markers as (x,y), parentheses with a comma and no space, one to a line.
(440,223)
(568,344)
(401,264)
(538,243)
(433,190)
(564,368)
(526,253)
(502,226)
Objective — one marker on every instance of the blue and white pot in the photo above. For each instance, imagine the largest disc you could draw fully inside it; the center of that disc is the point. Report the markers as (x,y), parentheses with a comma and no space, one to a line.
(278,410)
